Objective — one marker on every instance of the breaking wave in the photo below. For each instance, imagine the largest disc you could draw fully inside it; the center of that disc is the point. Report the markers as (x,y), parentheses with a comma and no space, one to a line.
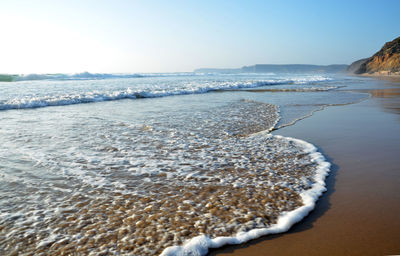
(74,94)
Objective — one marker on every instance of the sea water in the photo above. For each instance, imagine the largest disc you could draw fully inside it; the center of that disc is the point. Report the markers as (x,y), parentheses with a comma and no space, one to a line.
(148,164)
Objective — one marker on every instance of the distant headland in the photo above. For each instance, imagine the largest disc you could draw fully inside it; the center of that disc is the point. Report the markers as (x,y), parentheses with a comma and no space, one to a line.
(384,62)
(273,68)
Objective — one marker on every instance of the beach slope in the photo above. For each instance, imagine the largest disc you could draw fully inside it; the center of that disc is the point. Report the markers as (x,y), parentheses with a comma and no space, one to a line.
(358,215)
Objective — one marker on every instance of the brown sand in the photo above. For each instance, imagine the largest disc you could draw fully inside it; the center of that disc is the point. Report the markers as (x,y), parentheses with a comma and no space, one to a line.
(360,213)
(382,75)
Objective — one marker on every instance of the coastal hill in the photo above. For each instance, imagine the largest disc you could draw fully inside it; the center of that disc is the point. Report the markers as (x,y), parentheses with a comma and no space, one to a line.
(355,66)
(384,62)
(266,68)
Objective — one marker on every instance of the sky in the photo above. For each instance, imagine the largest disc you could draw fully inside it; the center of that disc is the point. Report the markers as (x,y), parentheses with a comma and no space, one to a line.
(117,36)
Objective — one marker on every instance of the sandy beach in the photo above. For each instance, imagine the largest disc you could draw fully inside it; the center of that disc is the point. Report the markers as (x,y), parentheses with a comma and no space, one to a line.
(359,214)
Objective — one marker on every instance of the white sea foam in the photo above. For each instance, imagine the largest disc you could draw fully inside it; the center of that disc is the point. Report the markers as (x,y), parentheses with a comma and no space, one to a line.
(102,76)
(199,245)
(154,89)
(76,76)
(160,179)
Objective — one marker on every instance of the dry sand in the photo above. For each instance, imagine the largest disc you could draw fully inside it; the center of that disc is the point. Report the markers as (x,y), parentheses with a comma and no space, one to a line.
(360,213)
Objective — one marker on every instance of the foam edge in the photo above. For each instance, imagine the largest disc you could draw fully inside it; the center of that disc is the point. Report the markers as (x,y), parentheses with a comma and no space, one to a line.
(198,246)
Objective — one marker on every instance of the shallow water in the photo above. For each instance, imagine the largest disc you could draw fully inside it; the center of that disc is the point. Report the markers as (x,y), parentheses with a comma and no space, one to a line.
(133,175)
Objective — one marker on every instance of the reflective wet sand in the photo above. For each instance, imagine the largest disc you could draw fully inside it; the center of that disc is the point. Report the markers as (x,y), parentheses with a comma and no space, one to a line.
(359,213)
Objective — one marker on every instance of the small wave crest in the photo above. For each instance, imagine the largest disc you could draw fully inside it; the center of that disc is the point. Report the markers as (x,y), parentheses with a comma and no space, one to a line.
(26,102)
(77,76)
(93,76)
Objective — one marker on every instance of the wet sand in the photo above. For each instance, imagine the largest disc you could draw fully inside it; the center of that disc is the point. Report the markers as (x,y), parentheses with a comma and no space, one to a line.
(359,215)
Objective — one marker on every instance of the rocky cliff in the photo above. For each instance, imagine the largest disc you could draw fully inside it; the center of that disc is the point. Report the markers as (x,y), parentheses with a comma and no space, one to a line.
(384,62)
(355,66)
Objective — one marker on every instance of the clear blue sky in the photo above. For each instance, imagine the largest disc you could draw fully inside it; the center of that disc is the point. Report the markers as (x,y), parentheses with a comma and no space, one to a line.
(166,36)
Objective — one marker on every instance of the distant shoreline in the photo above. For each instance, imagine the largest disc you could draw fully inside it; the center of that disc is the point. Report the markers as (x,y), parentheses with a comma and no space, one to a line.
(377,75)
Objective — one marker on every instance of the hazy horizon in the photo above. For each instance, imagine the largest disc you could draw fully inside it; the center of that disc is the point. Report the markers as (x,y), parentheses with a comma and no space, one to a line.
(180,36)
(189,71)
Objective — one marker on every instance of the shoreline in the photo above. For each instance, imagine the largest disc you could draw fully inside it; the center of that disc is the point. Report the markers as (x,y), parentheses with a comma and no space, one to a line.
(201,244)
(358,213)
(380,76)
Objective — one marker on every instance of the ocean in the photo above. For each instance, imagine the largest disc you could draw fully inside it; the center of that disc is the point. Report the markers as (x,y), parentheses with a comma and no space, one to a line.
(148,164)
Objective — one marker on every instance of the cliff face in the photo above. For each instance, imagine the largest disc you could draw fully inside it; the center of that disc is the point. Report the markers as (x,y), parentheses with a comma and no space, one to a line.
(353,68)
(384,62)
